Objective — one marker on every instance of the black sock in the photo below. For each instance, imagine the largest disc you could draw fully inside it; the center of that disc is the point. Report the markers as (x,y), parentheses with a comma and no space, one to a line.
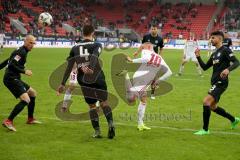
(94,118)
(31,107)
(152,91)
(17,109)
(220,111)
(206,117)
(108,114)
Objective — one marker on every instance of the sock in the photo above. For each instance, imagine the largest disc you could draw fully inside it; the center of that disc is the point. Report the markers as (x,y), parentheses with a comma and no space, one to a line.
(152,91)
(31,107)
(94,118)
(141,112)
(220,111)
(67,95)
(152,87)
(206,117)
(108,114)
(181,69)
(17,109)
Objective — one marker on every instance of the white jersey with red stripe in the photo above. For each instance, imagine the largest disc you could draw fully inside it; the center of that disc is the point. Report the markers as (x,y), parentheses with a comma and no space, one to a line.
(189,49)
(149,57)
(150,66)
(2,36)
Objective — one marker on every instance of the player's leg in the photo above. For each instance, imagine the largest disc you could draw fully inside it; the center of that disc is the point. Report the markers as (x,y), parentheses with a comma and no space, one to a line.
(207,103)
(165,73)
(69,90)
(102,96)
(181,68)
(88,92)
(109,117)
(67,96)
(131,94)
(94,117)
(216,93)
(18,89)
(141,112)
(31,107)
(199,70)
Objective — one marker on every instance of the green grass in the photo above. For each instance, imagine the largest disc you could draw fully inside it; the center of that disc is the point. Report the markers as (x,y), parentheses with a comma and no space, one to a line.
(171,136)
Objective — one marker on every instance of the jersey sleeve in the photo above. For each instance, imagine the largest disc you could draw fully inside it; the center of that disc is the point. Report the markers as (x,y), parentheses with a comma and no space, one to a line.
(71,54)
(14,61)
(232,58)
(203,65)
(94,58)
(160,43)
(140,60)
(144,39)
(97,49)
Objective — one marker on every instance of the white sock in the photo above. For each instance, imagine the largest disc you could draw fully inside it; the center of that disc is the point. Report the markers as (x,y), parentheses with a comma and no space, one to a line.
(67,95)
(141,112)
(130,95)
(181,69)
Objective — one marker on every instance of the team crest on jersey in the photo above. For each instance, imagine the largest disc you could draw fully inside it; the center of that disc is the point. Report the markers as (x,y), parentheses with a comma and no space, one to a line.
(219,53)
(156,41)
(17,58)
(216,61)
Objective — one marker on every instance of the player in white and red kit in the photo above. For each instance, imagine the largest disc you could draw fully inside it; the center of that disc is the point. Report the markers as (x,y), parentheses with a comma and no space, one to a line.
(2,36)
(151,64)
(190,46)
(72,84)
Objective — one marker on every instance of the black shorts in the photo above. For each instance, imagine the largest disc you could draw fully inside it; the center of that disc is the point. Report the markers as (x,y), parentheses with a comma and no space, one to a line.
(16,86)
(94,92)
(217,90)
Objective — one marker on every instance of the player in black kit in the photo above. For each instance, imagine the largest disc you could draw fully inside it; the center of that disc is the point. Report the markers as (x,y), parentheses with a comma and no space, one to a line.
(12,80)
(91,79)
(158,45)
(220,61)
(227,42)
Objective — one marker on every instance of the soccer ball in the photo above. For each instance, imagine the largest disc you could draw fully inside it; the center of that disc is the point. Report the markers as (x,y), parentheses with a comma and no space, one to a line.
(45,19)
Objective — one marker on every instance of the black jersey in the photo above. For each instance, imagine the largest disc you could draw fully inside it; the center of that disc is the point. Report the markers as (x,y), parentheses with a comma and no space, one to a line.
(16,63)
(227,42)
(220,60)
(85,53)
(156,41)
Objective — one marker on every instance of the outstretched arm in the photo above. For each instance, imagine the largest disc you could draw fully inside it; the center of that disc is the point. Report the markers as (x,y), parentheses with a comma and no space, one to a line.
(201,63)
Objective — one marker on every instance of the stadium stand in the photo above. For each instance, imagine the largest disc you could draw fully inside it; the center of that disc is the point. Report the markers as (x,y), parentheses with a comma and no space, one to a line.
(175,20)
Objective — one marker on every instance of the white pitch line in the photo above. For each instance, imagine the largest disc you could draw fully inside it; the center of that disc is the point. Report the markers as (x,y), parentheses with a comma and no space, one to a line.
(131,125)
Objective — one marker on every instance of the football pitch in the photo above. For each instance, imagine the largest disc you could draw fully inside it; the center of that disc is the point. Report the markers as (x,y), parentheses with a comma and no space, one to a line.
(173,117)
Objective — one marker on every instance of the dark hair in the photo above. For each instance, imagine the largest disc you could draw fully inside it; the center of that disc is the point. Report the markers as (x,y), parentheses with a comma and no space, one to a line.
(154,25)
(218,33)
(88,30)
